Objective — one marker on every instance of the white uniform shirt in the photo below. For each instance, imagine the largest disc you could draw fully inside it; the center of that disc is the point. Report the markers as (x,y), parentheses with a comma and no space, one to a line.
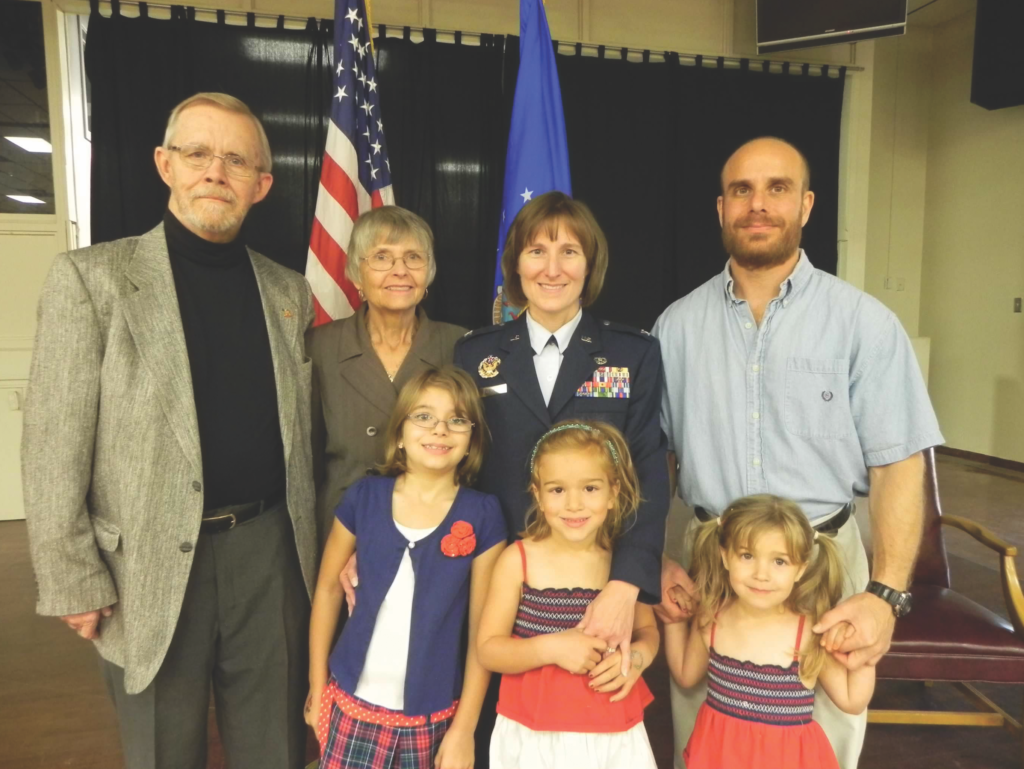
(547,358)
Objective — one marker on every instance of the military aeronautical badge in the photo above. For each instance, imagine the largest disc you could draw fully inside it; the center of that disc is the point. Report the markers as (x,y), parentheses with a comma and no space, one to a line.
(488,368)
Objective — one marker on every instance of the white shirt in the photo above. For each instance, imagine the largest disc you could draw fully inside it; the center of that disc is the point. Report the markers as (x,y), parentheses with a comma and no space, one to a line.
(382,681)
(547,358)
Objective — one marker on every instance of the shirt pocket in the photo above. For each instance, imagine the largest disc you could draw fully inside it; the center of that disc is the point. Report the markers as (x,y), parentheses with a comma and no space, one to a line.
(818,397)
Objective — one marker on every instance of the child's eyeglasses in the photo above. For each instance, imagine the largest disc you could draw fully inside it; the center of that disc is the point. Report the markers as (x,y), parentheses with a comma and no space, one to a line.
(429,422)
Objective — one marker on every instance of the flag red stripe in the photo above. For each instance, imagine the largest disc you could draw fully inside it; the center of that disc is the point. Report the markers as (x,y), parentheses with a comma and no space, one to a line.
(320,314)
(337,182)
(332,257)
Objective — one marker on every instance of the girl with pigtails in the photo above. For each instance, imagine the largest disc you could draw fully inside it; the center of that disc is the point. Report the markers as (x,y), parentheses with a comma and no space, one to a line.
(764,578)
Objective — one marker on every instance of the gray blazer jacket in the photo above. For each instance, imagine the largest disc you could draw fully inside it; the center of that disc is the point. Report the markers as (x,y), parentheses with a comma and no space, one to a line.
(111,461)
(353,399)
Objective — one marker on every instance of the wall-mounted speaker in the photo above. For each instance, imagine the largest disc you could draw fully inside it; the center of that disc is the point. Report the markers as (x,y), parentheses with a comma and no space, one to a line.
(997,77)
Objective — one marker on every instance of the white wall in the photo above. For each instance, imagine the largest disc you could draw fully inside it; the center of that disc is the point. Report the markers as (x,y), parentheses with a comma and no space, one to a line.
(973,266)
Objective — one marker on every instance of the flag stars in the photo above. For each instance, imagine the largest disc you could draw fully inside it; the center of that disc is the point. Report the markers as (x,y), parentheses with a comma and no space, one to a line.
(369,160)
(366,107)
(362,49)
(376,147)
(354,42)
(373,172)
(341,68)
(341,93)
(527,195)
(373,84)
(362,79)
(388,163)
(353,15)
(366,133)
(380,126)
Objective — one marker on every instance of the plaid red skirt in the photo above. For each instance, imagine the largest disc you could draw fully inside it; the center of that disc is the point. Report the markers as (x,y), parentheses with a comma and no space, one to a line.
(355,734)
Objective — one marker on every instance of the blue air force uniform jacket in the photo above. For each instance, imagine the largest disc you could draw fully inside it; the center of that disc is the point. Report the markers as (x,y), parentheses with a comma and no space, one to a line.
(517,418)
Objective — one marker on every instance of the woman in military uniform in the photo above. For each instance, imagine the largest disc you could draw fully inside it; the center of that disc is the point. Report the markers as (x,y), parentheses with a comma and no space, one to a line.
(556,361)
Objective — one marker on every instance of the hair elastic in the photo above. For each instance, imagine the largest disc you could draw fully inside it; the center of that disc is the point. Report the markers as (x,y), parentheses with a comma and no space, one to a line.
(573,426)
(815,535)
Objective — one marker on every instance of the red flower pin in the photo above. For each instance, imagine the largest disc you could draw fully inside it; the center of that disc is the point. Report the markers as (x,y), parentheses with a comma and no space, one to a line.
(461,541)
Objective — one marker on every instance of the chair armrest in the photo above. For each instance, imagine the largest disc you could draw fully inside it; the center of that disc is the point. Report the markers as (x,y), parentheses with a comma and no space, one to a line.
(1013,596)
(981,534)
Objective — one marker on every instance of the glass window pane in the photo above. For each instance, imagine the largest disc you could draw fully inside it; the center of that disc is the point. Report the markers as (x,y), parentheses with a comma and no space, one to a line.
(26,168)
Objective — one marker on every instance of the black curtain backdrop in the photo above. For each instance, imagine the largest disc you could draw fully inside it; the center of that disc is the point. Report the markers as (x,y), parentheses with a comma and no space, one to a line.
(646,142)
(140,68)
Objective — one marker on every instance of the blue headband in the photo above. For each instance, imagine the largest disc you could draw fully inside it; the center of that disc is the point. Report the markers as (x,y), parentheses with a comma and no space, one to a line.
(573,426)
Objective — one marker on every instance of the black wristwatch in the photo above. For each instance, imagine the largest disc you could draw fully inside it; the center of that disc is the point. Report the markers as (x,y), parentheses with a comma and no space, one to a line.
(899,601)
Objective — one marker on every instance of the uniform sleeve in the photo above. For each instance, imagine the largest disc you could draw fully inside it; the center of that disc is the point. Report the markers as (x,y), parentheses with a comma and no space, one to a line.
(58,437)
(889,400)
(637,557)
(492,528)
(354,501)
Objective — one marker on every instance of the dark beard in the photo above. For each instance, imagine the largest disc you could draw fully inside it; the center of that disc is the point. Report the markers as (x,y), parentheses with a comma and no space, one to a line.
(758,255)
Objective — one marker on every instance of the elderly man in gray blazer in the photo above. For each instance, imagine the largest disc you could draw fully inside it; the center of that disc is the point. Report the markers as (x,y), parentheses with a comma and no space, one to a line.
(166,460)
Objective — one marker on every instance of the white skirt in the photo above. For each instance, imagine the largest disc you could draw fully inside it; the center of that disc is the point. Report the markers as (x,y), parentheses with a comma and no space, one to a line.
(514,746)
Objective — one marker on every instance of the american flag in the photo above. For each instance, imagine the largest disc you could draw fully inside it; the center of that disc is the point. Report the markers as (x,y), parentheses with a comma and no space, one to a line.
(356,173)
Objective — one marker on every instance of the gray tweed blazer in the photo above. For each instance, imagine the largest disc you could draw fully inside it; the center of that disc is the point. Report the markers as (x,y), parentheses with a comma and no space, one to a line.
(111,462)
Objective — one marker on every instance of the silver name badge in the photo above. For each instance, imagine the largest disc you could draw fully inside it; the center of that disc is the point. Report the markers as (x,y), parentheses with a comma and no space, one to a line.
(493,390)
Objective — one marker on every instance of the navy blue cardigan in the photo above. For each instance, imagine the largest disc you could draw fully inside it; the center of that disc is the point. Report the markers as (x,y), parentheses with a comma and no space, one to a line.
(441,598)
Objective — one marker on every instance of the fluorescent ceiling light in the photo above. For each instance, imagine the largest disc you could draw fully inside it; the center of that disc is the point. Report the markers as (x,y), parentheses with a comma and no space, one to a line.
(27,199)
(31,143)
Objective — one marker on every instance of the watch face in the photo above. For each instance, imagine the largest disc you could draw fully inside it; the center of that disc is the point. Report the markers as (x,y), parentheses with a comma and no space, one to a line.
(902,607)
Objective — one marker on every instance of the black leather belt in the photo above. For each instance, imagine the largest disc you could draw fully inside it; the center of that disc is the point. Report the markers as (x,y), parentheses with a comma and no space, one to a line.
(226,518)
(829,527)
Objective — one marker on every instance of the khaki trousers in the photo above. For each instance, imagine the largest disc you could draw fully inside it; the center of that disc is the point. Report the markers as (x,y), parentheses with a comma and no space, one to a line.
(845,732)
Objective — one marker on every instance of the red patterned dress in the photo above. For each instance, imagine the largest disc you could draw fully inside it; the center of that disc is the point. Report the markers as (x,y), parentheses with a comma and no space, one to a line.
(757,716)
(549,718)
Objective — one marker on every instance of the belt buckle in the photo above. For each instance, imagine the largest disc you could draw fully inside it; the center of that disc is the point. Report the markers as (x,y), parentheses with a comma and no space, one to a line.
(232,516)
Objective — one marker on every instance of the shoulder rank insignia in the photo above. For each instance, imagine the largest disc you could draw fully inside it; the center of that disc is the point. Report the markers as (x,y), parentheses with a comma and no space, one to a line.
(488,368)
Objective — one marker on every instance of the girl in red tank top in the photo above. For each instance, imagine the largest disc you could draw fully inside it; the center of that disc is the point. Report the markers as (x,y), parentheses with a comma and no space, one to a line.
(564,701)
(764,578)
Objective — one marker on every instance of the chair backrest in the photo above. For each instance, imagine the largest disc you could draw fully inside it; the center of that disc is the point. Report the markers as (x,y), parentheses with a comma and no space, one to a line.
(932,564)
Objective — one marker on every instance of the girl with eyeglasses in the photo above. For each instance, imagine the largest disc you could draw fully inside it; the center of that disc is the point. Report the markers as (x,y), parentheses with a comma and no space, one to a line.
(393,691)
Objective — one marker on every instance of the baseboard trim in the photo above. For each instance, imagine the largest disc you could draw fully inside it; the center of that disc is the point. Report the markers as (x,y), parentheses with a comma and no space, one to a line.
(1006,464)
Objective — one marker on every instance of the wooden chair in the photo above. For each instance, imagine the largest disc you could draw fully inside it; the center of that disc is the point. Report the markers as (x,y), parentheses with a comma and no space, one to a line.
(947,637)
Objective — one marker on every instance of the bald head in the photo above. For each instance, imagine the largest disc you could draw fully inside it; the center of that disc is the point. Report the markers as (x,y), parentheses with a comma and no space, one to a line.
(772,150)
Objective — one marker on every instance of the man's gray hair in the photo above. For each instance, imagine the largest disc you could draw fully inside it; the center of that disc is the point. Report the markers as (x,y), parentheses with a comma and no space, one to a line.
(231,104)
(390,225)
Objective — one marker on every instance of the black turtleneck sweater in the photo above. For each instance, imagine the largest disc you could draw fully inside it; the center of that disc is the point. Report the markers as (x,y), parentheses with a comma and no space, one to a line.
(232,369)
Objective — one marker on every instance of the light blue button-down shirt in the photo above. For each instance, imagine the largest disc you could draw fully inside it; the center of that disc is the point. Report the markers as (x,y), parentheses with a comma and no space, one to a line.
(800,406)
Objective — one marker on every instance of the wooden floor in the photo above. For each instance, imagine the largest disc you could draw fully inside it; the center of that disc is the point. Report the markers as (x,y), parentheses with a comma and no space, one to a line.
(54,711)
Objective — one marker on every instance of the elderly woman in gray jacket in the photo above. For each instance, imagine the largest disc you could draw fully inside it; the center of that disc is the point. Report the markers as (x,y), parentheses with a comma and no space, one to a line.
(361,362)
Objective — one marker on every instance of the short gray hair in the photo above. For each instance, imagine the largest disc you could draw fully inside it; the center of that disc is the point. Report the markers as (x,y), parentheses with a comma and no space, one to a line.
(387,224)
(226,102)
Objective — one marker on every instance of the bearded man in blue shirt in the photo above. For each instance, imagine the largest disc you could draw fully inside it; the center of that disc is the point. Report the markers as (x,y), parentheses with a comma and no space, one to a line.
(782,379)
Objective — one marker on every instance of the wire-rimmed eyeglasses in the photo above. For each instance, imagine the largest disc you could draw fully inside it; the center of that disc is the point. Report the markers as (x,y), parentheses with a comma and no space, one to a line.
(199,157)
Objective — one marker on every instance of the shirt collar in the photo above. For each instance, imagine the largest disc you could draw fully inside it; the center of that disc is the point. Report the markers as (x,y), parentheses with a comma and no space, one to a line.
(539,335)
(797,279)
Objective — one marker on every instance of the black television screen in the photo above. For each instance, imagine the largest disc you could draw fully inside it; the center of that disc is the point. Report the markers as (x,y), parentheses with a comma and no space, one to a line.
(786,24)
